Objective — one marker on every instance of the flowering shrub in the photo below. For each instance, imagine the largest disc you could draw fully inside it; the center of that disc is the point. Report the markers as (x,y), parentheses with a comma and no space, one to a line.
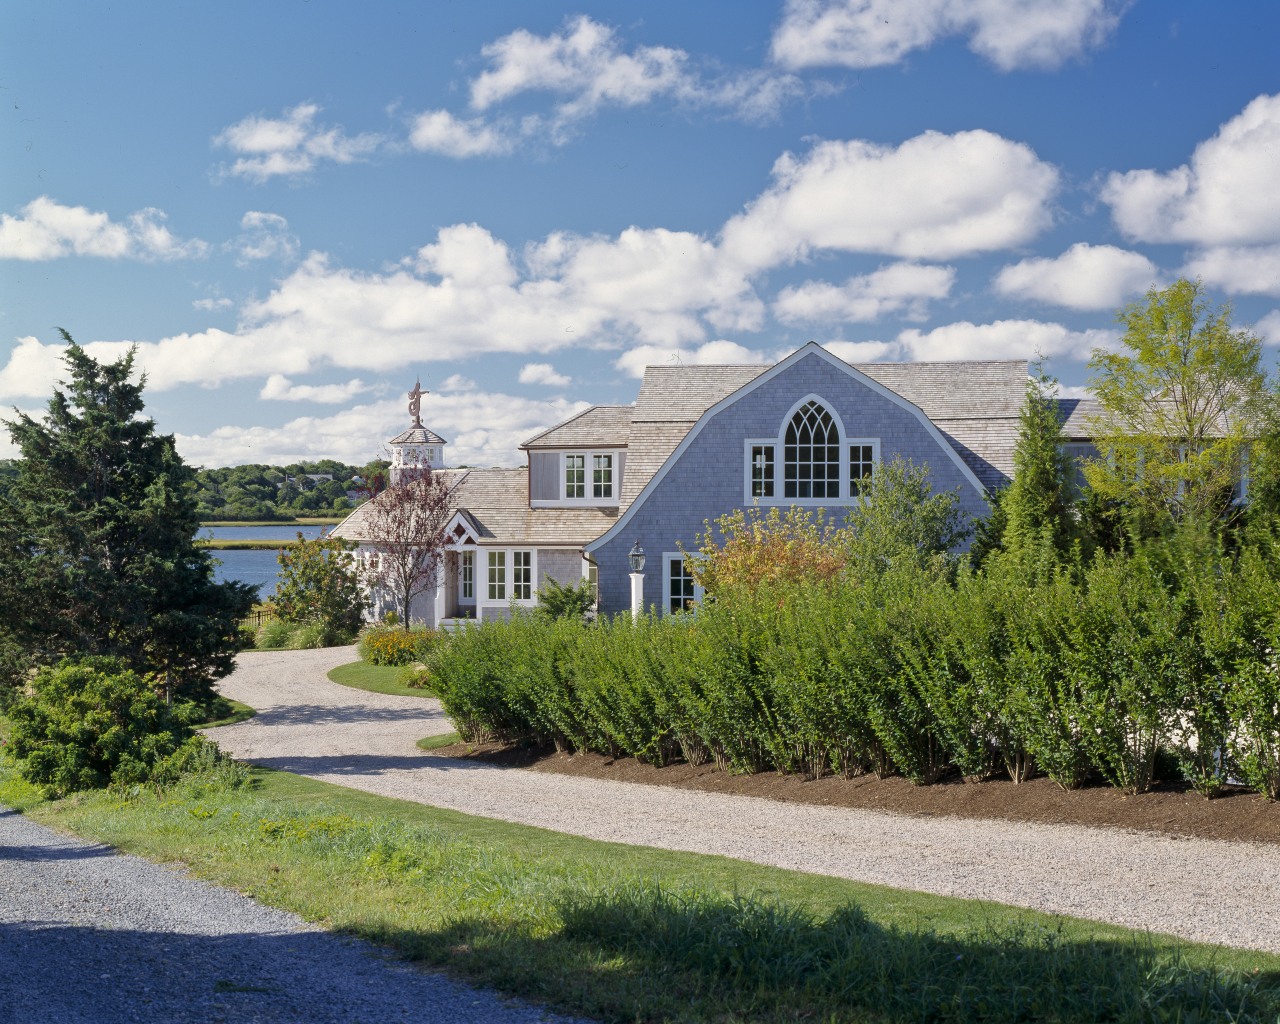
(392,645)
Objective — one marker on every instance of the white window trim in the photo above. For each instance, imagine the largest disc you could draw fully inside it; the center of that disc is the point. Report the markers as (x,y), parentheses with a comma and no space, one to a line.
(667,558)
(589,456)
(483,600)
(779,462)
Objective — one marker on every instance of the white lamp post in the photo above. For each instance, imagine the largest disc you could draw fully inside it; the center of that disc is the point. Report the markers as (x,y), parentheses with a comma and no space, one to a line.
(636,557)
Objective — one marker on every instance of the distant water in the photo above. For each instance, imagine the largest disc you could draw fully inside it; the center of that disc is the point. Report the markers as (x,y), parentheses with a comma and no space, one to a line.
(258,568)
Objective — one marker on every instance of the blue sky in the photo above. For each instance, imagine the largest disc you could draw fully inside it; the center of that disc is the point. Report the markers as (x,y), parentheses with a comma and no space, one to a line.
(294,208)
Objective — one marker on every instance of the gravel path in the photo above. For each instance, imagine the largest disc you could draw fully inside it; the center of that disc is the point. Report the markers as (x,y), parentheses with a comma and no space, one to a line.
(88,936)
(1209,891)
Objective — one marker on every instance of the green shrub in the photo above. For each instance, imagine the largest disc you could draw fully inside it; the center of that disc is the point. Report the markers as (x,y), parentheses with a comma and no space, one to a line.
(273,635)
(565,600)
(91,724)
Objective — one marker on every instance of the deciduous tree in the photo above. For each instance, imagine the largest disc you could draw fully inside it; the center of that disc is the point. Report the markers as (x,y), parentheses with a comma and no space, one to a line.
(405,525)
(1179,406)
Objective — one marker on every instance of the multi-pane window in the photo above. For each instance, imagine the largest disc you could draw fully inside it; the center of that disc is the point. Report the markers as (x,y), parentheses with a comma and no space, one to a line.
(522,575)
(762,471)
(497,575)
(467,575)
(811,454)
(862,459)
(1076,454)
(602,476)
(575,476)
(680,586)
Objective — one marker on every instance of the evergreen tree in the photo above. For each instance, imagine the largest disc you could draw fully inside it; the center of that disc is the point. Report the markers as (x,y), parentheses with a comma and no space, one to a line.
(99,538)
(1037,505)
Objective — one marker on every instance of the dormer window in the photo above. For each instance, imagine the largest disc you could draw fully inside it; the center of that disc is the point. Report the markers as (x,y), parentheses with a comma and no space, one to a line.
(811,462)
(575,476)
(602,476)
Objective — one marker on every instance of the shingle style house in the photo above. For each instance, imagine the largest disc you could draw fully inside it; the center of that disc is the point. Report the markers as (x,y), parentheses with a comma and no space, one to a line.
(701,441)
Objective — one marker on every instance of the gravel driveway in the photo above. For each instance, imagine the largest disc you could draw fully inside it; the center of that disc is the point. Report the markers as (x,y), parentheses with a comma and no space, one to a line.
(1209,891)
(88,936)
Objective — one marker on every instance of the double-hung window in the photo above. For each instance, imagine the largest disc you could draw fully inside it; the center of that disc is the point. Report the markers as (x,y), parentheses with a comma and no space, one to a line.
(762,470)
(862,460)
(575,476)
(522,575)
(602,476)
(497,575)
(681,594)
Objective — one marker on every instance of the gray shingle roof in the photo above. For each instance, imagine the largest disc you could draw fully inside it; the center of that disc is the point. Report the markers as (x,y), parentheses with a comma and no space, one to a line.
(497,503)
(601,426)
(418,435)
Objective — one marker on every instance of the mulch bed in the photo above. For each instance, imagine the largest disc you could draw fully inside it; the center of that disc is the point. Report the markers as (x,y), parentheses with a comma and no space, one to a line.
(1172,809)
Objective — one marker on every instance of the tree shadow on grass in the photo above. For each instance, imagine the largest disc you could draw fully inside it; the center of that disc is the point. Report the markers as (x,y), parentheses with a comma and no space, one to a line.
(641,953)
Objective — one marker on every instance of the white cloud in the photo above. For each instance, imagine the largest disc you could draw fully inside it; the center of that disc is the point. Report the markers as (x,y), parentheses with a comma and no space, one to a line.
(861,351)
(483,429)
(438,131)
(290,145)
(1268,328)
(264,236)
(634,361)
(1225,195)
(211,305)
(934,197)
(1009,33)
(46,230)
(1084,277)
(32,370)
(903,288)
(543,373)
(1003,339)
(1238,270)
(587,68)
(464,295)
(278,387)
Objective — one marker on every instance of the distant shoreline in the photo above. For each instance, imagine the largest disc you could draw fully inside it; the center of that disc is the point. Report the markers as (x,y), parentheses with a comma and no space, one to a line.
(304,521)
(247,544)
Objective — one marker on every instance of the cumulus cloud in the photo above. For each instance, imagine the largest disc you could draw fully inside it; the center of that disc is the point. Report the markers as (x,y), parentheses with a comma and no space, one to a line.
(861,351)
(279,388)
(543,373)
(264,236)
(586,68)
(902,288)
(463,295)
(934,197)
(483,429)
(45,229)
(1268,328)
(1238,269)
(438,131)
(634,361)
(1003,339)
(1225,195)
(290,145)
(1092,277)
(1011,34)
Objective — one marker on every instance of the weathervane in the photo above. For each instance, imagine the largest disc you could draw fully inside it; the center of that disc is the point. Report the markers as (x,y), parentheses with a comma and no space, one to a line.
(415,402)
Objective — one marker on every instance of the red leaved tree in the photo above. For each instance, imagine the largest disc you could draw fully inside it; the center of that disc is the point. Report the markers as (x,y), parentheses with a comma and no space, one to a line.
(405,524)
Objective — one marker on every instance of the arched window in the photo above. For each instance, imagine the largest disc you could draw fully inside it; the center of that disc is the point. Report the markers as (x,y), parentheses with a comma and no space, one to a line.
(811,454)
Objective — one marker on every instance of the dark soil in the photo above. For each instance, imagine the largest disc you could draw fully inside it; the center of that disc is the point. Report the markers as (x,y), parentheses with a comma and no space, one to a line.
(1239,815)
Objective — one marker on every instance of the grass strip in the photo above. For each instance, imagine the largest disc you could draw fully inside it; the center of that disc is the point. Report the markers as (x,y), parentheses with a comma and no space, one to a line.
(230,712)
(230,544)
(376,679)
(444,739)
(628,934)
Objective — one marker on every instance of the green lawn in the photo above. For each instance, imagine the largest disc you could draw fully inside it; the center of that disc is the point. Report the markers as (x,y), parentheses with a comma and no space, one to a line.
(443,739)
(376,679)
(628,934)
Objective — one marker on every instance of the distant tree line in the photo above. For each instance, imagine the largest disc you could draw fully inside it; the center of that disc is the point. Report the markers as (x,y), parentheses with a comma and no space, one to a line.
(262,492)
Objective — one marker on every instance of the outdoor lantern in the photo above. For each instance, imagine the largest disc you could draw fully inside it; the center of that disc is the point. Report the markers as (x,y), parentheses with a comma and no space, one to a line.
(636,557)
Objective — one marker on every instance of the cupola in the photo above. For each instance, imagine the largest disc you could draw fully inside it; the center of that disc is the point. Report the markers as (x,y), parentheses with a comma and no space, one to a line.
(417,448)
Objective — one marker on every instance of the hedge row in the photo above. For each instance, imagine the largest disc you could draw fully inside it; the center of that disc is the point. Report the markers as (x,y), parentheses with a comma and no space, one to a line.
(1132,666)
